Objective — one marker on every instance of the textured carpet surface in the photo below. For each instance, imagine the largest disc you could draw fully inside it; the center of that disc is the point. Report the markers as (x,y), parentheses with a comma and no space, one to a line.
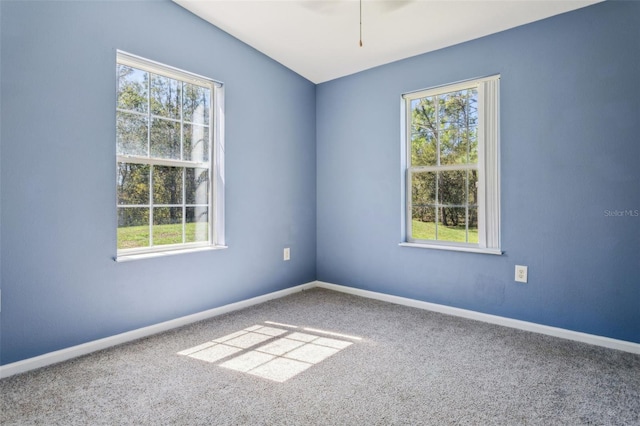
(409,366)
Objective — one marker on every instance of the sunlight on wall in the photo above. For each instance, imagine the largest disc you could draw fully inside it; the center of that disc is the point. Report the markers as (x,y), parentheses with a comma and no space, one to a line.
(273,353)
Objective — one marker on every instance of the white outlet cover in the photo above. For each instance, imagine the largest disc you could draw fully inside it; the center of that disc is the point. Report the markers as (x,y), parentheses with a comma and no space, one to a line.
(521,274)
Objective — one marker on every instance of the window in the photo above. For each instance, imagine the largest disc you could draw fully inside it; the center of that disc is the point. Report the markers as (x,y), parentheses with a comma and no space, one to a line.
(452,169)
(168,159)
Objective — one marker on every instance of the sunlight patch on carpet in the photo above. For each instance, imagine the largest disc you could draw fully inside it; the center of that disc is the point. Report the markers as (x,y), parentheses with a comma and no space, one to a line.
(273,353)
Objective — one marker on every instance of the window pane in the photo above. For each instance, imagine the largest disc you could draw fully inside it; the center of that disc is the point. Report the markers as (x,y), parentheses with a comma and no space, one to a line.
(423,189)
(196,143)
(196,104)
(131,134)
(165,96)
(132,89)
(454,111)
(197,224)
(443,121)
(165,139)
(423,115)
(423,220)
(133,184)
(167,225)
(470,136)
(453,147)
(473,225)
(423,149)
(133,227)
(472,192)
(423,132)
(197,186)
(473,107)
(452,187)
(452,224)
(167,185)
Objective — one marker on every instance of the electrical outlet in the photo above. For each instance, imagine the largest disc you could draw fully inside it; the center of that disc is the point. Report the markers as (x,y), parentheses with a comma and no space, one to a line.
(287,254)
(521,274)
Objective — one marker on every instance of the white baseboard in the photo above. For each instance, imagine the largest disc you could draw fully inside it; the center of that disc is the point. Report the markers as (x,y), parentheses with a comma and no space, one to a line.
(96,345)
(621,345)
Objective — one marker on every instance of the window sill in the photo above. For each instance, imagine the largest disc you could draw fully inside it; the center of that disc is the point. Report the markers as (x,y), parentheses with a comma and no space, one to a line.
(140,256)
(453,248)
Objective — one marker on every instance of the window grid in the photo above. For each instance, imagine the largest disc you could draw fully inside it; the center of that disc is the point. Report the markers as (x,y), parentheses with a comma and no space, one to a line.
(440,129)
(483,166)
(153,162)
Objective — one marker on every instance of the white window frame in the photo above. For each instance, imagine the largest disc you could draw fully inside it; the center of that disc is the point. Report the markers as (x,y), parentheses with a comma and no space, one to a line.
(215,165)
(488,166)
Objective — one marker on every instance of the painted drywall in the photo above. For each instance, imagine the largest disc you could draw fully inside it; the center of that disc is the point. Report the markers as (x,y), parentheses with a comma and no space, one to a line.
(60,285)
(570,123)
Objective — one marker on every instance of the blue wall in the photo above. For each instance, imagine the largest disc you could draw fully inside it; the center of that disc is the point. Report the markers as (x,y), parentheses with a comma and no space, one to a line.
(570,147)
(60,286)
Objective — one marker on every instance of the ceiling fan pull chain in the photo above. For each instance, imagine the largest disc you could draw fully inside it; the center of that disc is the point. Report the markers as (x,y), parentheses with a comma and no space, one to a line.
(360,23)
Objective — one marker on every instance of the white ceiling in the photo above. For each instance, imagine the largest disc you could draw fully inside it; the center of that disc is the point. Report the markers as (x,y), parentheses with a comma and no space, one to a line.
(320,39)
